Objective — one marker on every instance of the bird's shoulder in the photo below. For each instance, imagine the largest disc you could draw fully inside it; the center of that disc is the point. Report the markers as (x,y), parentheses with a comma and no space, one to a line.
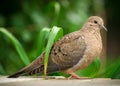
(69,37)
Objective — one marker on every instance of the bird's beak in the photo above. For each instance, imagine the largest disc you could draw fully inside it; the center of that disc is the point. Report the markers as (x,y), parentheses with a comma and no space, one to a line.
(102,26)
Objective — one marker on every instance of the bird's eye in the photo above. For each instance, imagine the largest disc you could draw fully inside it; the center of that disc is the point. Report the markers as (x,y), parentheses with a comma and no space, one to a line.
(95,22)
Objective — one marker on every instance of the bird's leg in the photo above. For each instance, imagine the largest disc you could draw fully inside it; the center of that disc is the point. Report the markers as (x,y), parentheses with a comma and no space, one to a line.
(73,76)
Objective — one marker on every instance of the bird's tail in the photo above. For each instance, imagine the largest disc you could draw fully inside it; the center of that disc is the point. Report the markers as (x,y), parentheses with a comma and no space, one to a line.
(31,68)
(17,74)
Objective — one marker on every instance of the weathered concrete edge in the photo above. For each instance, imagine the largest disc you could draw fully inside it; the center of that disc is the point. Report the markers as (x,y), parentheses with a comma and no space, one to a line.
(56,82)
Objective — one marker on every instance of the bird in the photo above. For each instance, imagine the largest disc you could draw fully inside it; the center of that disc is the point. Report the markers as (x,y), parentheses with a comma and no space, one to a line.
(73,52)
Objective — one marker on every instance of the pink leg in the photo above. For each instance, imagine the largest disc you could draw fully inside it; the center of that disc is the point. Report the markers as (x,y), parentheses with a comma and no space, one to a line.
(74,76)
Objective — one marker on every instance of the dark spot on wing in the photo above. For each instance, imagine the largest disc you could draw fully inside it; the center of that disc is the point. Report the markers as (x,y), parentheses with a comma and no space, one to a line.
(59,49)
(55,53)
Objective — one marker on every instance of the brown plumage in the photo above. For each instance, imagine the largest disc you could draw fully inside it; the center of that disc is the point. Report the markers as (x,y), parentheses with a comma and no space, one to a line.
(72,52)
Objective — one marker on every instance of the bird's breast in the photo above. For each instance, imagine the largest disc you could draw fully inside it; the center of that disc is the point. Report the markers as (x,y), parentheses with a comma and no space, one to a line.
(94,44)
(93,50)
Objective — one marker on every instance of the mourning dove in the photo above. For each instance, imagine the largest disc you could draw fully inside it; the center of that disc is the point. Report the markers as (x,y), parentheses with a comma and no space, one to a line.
(71,53)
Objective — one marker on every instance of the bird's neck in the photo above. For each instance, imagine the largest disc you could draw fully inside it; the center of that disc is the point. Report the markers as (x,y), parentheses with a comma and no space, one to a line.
(92,30)
(95,31)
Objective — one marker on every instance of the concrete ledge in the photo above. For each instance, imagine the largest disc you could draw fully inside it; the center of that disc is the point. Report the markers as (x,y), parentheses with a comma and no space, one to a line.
(28,81)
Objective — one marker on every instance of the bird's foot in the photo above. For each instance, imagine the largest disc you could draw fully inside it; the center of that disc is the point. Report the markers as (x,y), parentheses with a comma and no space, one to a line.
(75,76)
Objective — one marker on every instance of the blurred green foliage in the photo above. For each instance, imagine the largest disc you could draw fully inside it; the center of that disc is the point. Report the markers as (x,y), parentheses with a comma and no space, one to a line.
(30,21)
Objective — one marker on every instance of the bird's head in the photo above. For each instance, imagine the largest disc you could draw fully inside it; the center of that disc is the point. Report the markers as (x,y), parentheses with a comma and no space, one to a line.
(96,21)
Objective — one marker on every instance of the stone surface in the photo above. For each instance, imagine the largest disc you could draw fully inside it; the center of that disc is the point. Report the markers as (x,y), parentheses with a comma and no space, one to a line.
(29,81)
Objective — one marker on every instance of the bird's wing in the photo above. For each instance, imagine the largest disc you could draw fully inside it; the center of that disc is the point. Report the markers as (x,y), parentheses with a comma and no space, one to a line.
(68,51)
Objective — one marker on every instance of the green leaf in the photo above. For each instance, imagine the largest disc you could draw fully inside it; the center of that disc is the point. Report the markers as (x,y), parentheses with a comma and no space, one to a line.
(2,71)
(40,43)
(113,70)
(55,33)
(17,46)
